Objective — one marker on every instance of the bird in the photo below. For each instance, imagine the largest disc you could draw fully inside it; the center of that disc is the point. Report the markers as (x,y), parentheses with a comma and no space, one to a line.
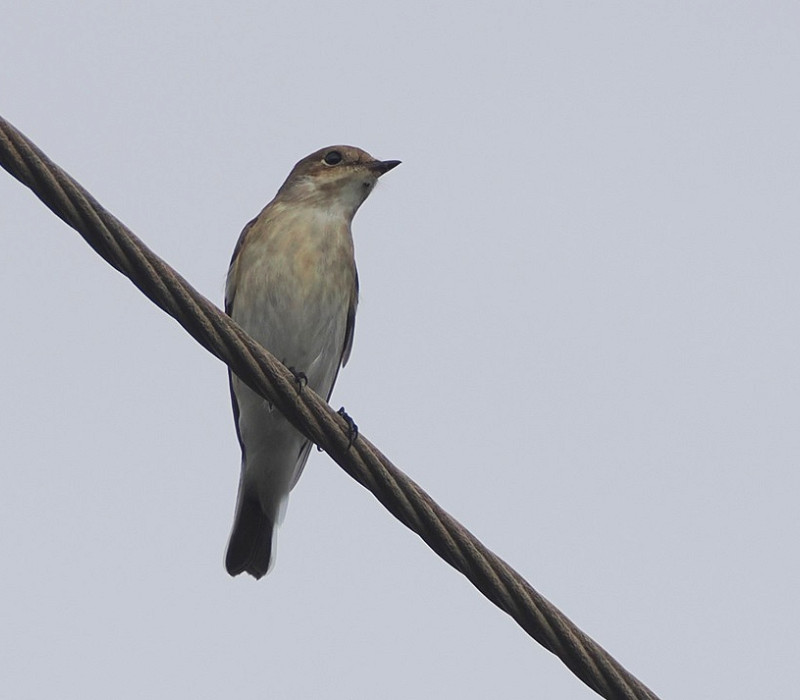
(292,285)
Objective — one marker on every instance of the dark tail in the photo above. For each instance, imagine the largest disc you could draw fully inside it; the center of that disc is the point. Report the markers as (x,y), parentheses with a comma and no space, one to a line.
(250,546)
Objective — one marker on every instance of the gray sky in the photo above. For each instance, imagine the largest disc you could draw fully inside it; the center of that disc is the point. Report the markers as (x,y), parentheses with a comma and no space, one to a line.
(578,331)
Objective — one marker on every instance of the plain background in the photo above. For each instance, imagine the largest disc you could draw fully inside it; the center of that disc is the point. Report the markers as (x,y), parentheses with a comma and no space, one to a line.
(578,331)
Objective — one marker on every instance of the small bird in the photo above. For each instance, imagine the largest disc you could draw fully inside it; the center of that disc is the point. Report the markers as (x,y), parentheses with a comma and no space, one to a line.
(293,286)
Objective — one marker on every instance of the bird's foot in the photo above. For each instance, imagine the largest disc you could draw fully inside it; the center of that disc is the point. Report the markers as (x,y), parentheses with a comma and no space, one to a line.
(300,378)
(352,428)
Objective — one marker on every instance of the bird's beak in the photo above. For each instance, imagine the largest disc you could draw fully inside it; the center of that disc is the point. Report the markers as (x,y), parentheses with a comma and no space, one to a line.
(384,166)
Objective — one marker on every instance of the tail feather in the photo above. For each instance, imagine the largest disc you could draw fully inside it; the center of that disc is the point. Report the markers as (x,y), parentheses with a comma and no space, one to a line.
(250,546)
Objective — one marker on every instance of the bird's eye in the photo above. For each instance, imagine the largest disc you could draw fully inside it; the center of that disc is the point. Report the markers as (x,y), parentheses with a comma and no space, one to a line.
(332,158)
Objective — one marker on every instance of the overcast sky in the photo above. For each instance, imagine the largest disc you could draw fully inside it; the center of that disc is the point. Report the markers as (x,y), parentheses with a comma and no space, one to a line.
(578,331)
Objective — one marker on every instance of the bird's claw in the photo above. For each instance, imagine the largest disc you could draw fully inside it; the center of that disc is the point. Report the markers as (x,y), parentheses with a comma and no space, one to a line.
(352,428)
(300,378)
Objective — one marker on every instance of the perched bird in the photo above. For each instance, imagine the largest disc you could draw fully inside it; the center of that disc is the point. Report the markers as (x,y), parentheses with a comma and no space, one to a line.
(292,285)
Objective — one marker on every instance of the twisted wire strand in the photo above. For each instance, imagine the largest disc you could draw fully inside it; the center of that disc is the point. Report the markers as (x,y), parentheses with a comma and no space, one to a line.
(404,499)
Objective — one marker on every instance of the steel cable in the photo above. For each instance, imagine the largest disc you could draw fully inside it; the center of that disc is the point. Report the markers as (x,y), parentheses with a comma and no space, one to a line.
(216,332)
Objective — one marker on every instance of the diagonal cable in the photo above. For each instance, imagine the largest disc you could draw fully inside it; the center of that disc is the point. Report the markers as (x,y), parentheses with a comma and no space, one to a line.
(218,333)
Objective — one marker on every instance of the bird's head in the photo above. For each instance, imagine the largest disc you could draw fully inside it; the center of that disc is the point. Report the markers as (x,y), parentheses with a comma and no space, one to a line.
(337,177)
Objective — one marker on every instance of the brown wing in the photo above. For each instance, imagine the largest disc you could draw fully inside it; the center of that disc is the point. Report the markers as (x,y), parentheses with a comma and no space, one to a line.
(230,285)
(230,294)
(348,333)
(351,322)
